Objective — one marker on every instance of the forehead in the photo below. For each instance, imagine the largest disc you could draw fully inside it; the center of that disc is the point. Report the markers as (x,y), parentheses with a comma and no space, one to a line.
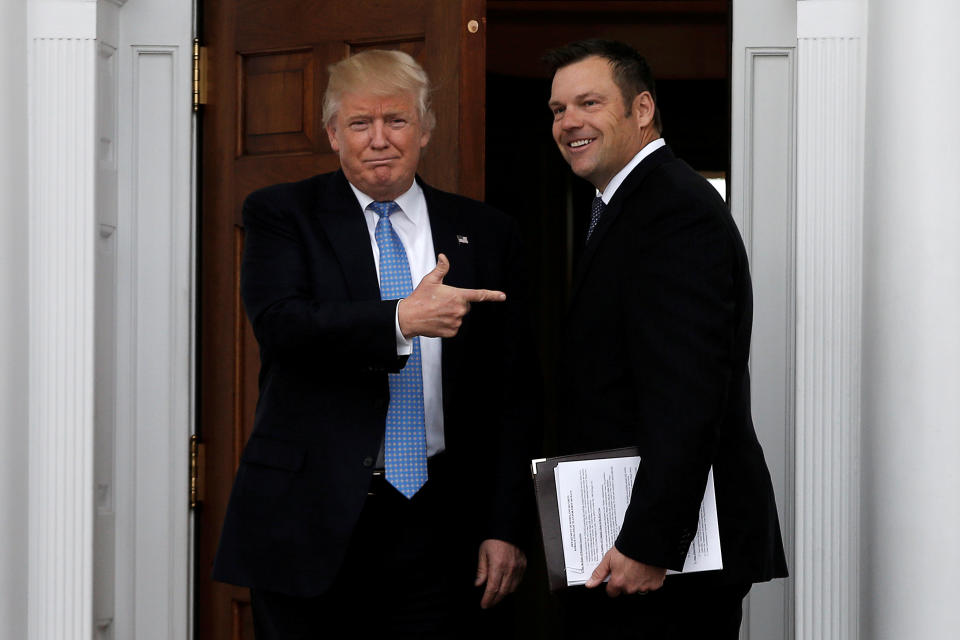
(370,102)
(593,74)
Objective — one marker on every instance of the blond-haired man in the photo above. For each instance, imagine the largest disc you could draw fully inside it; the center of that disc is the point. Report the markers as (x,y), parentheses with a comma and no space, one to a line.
(383,488)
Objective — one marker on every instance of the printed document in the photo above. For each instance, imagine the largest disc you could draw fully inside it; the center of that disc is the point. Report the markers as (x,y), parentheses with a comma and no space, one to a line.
(593,495)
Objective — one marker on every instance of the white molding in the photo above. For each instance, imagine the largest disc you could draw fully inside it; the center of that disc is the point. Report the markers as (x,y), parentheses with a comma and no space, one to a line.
(831,18)
(830,204)
(764,203)
(63,19)
(155,311)
(62,227)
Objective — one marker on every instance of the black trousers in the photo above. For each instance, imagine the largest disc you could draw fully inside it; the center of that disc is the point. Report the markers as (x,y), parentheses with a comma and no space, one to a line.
(688,606)
(408,573)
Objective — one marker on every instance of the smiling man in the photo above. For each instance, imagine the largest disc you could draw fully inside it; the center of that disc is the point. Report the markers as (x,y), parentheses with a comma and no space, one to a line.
(384,489)
(655,353)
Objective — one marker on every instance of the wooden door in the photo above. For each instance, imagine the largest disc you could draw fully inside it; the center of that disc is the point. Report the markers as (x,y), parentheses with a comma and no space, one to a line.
(267,63)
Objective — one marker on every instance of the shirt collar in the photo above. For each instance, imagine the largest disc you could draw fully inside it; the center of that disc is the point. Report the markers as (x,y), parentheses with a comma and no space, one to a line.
(621,175)
(407,201)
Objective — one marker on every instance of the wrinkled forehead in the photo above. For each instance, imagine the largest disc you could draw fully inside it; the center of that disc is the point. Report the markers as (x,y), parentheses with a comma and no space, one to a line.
(369,100)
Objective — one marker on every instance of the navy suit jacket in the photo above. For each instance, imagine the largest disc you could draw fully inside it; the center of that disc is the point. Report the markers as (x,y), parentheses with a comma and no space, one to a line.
(327,342)
(657,340)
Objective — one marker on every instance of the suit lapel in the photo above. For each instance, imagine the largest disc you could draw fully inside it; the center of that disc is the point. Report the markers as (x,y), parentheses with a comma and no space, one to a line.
(342,220)
(448,229)
(450,237)
(612,212)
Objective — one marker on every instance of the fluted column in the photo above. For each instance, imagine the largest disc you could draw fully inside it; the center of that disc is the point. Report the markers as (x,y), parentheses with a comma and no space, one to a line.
(830,91)
(911,324)
(61,284)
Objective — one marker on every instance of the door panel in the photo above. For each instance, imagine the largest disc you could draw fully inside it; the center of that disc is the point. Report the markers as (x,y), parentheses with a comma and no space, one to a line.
(261,125)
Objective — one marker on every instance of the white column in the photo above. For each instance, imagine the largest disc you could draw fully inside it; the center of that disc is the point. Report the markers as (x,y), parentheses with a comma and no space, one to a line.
(911,324)
(61,282)
(830,90)
(13,321)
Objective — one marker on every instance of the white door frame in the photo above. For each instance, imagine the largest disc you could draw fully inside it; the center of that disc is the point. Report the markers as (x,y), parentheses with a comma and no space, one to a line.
(113,250)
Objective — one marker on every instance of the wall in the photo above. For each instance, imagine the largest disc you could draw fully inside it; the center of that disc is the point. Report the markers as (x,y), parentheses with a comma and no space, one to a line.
(911,312)
(13,321)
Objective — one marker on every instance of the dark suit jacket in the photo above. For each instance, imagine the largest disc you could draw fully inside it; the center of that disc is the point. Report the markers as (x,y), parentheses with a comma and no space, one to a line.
(655,355)
(327,342)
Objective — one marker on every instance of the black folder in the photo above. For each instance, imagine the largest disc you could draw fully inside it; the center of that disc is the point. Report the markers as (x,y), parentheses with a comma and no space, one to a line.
(546,488)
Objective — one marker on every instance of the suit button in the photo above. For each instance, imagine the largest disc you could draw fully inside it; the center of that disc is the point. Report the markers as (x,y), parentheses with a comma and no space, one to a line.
(368,462)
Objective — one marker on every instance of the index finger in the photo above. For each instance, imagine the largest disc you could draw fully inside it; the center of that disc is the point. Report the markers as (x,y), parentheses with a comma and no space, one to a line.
(482,295)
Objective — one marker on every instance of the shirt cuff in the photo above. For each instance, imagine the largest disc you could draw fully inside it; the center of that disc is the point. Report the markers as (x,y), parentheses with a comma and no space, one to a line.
(404,346)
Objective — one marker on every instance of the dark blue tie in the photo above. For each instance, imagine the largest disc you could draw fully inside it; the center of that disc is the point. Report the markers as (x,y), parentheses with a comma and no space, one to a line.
(596,210)
(405,442)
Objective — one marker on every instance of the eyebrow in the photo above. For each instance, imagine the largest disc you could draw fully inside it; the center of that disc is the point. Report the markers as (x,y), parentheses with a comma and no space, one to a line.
(577,98)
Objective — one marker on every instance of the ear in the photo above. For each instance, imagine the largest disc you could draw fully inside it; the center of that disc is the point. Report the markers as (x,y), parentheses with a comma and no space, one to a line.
(332,134)
(644,108)
(424,137)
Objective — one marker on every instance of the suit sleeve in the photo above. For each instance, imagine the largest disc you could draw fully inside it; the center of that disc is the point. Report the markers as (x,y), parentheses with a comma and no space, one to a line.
(679,316)
(290,323)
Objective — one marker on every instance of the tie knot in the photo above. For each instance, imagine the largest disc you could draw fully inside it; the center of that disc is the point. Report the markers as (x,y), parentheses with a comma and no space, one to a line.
(598,206)
(384,209)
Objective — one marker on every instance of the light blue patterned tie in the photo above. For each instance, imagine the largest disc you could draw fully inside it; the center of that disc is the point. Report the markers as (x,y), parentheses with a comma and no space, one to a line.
(405,443)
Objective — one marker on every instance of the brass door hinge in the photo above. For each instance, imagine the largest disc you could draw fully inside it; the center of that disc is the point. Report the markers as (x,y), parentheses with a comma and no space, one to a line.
(199,75)
(197,466)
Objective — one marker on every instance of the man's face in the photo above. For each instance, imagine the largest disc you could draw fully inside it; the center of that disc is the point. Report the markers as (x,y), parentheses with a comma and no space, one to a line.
(379,139)
(590,122)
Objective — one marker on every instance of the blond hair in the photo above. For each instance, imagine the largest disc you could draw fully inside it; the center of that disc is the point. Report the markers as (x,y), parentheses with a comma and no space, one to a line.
(380,72)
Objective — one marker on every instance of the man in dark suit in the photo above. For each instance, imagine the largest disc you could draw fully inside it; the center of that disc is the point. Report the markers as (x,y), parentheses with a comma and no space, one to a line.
(384,490)
(655,355)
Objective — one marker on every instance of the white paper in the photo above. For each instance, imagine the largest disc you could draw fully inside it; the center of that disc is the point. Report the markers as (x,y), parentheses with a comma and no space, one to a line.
(593,495)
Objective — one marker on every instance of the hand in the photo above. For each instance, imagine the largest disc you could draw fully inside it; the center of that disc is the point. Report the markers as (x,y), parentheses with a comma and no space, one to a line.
(501,566)
(626,575)
(436,310)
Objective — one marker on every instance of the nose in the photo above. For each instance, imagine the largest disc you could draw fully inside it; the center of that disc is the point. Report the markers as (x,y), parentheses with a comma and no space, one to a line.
(570,120)
(377,138)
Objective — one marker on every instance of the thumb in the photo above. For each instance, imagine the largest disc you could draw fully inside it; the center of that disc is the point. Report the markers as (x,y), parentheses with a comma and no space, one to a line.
(436,276)
(481,569)
(600,573)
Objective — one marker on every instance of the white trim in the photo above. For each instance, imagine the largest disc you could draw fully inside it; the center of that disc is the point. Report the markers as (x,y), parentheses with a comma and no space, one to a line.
(63,19)
(831,18)
(62,224)
(765,200)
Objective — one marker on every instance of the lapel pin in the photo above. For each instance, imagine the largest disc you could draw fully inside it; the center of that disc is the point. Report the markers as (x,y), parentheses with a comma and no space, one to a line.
(463,240)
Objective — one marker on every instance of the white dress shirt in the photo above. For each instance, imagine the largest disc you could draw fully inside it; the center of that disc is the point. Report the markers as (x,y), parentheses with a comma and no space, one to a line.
(412,225)
(618,179)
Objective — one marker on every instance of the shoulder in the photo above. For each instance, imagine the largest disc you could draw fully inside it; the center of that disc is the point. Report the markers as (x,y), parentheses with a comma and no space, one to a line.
(468,210)
(676,206)
(292,195)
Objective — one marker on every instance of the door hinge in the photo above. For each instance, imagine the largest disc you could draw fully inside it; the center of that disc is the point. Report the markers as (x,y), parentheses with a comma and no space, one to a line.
(197,466)
(199,75)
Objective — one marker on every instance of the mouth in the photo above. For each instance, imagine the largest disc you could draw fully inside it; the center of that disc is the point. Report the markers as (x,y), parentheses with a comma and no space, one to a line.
(579,143)
(376,162)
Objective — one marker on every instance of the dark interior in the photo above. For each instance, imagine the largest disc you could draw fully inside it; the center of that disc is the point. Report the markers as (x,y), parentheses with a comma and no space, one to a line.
(688,50)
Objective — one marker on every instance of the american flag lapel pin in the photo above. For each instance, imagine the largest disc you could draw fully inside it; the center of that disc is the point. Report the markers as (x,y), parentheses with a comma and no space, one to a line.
(463,239)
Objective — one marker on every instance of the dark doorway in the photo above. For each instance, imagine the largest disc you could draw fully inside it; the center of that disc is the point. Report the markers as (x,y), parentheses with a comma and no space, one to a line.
(688,46)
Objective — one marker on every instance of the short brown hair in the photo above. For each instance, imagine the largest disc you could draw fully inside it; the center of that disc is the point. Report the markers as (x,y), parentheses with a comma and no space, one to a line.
(631,73)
